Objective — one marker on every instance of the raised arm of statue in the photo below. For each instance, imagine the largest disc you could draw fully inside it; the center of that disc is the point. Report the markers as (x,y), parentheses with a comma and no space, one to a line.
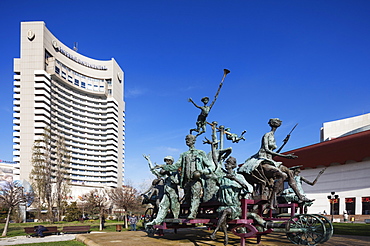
(314,182)
(303,179)
(318,175)
(191,100)
(151,168)
(147,157)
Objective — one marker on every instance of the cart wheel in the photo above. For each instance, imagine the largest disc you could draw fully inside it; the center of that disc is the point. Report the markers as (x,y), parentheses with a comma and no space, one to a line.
(305,209)
(150,230)
(149,215)
(306,229)
(328,225)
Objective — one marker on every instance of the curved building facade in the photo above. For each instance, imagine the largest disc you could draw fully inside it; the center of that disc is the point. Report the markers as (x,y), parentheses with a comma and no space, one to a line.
(80,98)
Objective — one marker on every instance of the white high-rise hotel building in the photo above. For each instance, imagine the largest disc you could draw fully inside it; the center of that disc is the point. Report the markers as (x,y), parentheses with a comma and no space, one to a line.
(80,97)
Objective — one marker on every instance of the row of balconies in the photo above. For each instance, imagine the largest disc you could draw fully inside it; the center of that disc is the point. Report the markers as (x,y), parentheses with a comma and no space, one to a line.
(39,117)
(84,110)
(16,127)
(93,165)
(81,132)
(94,168)
(103,142)
(76,97)
(94,179)
(71,98)
(66,108)
(91,160)
(97,184)
(102,162)
(43,100)
(17,90)
(43,73)
(82,118)
(93,155)
(93,173)
(91,138)
(16,153)
(84,144)
(76,121)
(41,110)
(107,144)
(42,84)
(87,128)
(17,79)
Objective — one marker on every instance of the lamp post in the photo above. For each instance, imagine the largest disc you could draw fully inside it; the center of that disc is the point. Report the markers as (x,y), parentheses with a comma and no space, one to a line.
(332,198)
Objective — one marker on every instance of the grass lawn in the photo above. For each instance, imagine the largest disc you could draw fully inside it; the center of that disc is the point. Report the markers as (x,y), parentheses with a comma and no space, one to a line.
(354,229)
(16,229)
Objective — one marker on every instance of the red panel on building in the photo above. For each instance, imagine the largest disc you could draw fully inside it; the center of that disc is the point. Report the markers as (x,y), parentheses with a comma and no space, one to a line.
(355,147)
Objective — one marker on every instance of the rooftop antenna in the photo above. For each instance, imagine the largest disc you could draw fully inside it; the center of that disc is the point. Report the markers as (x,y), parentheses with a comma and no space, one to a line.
(75,46)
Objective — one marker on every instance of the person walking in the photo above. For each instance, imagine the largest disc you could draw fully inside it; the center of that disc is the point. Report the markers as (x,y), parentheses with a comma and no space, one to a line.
(133,221)
(345,216)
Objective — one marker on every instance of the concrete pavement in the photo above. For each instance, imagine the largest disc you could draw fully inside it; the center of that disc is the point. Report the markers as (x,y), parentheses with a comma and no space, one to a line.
(200,237)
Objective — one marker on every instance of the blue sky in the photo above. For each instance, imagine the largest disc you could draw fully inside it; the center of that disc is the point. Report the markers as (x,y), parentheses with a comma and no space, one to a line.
(304,62)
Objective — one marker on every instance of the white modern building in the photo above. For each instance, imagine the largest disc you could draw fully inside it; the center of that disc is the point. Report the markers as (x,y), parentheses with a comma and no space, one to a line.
(345,154)
(79,97)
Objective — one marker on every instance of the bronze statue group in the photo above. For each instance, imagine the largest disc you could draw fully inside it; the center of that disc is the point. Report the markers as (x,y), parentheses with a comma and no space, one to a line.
(203,177)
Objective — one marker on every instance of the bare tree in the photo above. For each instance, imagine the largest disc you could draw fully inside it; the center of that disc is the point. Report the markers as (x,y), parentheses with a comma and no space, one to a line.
(126,198)
(50,161)
(62,160)
(11,195)
(40,175)
(97,202)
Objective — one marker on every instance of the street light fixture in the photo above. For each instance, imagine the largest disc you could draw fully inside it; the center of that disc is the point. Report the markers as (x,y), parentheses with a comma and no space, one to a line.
(333,199)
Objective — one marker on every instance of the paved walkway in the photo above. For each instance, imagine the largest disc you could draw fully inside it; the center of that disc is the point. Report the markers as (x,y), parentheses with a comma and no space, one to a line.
(200,237)
(184,237)
(24,239)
